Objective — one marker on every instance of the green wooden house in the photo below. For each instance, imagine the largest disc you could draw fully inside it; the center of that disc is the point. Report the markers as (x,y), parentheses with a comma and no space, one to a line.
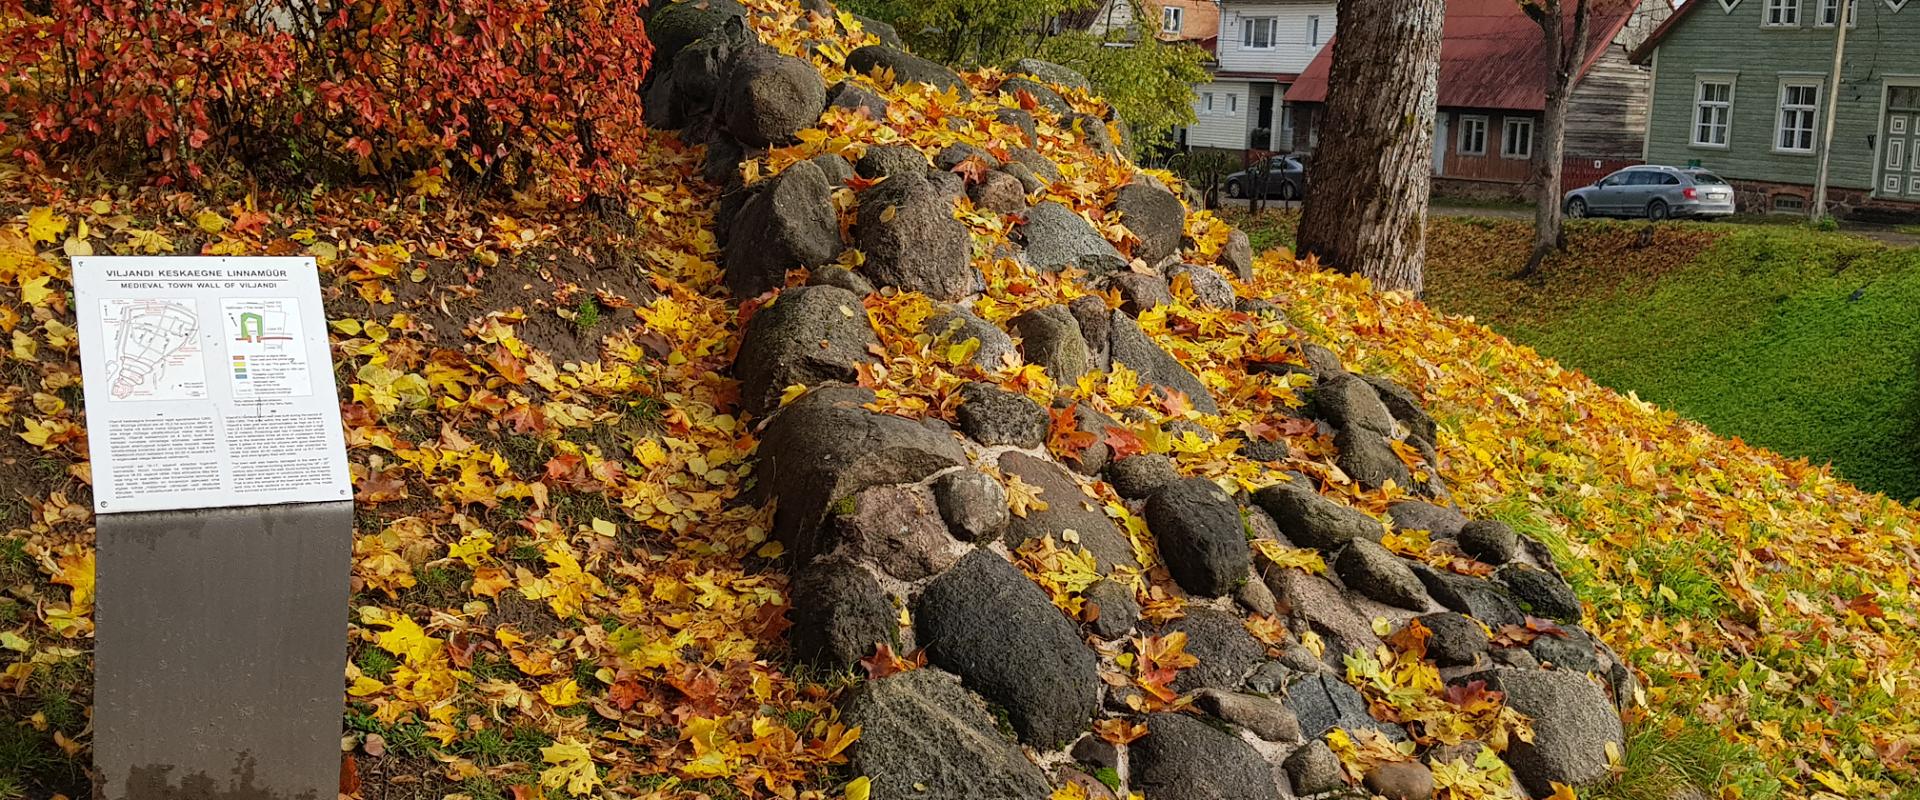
(1740,87)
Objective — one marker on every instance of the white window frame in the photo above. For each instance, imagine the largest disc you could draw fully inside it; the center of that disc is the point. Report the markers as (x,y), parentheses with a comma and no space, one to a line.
(1247,25)
(1508,139)
(1807,112)
(1830,9)
(1780,14)
(1233,104)
(1313,30)
(1479,123)
(1701,104)
(1171,18)
(1206,103)
(1896,5)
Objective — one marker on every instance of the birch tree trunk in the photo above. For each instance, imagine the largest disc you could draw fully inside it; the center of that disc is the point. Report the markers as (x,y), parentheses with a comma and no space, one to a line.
(1366,210)
(1564,54)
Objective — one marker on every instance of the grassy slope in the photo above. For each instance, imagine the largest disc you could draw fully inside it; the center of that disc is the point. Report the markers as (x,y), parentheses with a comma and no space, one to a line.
(1753,330)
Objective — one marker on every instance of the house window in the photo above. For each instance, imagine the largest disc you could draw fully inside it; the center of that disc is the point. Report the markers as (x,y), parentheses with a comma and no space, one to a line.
(1170,19)
(1799,101)
(1783,14)
(1313,31)
(1830,13)
(1233,104)
(1206,102)
(1473,136)
(1516,138)
(1712,113)
(1256,33)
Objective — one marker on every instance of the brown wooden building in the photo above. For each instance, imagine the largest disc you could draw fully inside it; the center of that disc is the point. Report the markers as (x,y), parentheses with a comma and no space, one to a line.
(1493,77)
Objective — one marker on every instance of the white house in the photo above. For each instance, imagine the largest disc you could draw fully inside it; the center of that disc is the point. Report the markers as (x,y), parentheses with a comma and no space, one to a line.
(1264,46)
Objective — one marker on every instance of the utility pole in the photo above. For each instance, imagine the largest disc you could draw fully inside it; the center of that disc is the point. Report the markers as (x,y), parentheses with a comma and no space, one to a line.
(1833,106)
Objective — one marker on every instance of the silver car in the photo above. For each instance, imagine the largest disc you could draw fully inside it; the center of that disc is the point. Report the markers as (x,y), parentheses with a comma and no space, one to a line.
(1654,193)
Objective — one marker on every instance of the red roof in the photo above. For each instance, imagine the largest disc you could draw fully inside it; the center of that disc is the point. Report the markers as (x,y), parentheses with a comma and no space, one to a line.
(1488,46)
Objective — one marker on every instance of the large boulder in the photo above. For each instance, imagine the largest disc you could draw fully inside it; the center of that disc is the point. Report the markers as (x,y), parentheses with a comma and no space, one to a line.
(1140,291)
(1068,509)
(839,613)
(1042,95)
(1489,540)
(1131,346)
(1376,572)
(1322,702)
(672,26)
(891,161)
(1114,609)
(1238,255)
(1051,338)
(1208,288)
(787,223)
(808,335)
(1405,407)
(1154,215)
(1573,725)
(1051,73)
(899,530)
(847,94)
(1138,476)
(1183,758)
(825,447)
(912,241)
(1348,403)
(1310,520)
(1200,535)
(1227,652)
(986,622)
(1316,603)
(906,67)
(994,416)
(769,97)
(1456,639)
(1539,592)
(952,325)
(1057,238)
(698,74)
(1370,460)
(924,736)
(973,503)
(1440,521)
(999,192)
(1479,598)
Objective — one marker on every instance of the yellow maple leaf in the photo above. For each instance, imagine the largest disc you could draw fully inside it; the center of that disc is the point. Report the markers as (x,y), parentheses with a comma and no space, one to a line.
(572,767)
(45,226)
(561,695)
(859,788)
(1023,497)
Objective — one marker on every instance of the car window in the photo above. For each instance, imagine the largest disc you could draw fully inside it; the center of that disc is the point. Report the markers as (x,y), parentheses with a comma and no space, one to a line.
(1616,179)
(1708,179)
(1669,179)
(1634,178)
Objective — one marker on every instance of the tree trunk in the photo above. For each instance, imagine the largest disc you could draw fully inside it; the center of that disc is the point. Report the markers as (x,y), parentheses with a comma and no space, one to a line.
(1366,209)
(1564,54)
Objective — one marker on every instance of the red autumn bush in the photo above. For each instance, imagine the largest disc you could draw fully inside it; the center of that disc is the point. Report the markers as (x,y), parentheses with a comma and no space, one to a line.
(499,92)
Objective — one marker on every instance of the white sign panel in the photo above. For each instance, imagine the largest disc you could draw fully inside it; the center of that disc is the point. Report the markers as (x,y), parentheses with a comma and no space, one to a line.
(209,383)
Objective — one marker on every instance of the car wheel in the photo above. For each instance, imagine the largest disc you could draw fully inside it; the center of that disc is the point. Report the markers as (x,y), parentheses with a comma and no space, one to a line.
(1288,191)
(1576,208)
(1234,191)
(1658,210)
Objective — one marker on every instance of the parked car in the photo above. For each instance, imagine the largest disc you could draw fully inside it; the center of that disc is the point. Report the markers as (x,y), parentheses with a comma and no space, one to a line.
(1286,179)
(1653,192)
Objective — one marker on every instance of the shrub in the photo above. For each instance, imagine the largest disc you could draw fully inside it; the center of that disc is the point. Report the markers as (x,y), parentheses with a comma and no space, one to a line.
(495,91)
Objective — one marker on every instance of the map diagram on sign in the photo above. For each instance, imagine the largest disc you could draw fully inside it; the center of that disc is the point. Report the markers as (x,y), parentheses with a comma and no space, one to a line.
(267,352)
(153,350)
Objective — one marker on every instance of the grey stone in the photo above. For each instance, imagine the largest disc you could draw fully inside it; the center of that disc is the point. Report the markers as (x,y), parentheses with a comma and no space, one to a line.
(1322,703)
(1400,780)
(912,242)
(949,185)
(1051,73)
(1182,758)
(847,94)
(1096,327)
(672,26)
(898,529)
(1050,337)
(1539,592)
(699,71)
(1573,724)
(1266,718)
(1039,164)
(1092,458)
(923,736)
(1157,218)
(994,416)
(1270,678)
(841,277)
(839,613)
(1374,571)
(1093,130)
(892,161)
(769,97)
(1096,752)
(1030,182)
(973,504)
(1488,540)
(1020,119)
(1310,520)
(1481,599)
(1200,535)
(1068,509)
(1260,309)
(1255,597)
(955,154)
(825,447)
(809,335)
(1314,769)
(1466,752)
(1317,602)
(790,222)
(1000,193)
(1414,515)
(1227,652)
(1119,612)
(1131,346)
(1140,291)
(906,67)
(1056,238)
(1405,407)
(1137,477)
(984,621)
(957,325)
(1208,288)
(1324,364)
(1370,460)
(880,30)
(1515,657)
(1260,449)
(1238,255)
(1456,641)
(1574,653)
(1043,95)
(1347,403)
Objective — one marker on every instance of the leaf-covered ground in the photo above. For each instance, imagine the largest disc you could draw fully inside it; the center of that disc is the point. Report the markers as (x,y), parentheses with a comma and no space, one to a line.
(562,579)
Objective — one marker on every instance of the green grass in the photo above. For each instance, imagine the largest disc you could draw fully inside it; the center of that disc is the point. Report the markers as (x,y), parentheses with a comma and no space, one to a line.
(1659,765)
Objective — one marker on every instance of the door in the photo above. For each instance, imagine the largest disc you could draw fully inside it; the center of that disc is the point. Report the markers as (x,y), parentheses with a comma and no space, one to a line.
(1900,159)
(1606,198)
